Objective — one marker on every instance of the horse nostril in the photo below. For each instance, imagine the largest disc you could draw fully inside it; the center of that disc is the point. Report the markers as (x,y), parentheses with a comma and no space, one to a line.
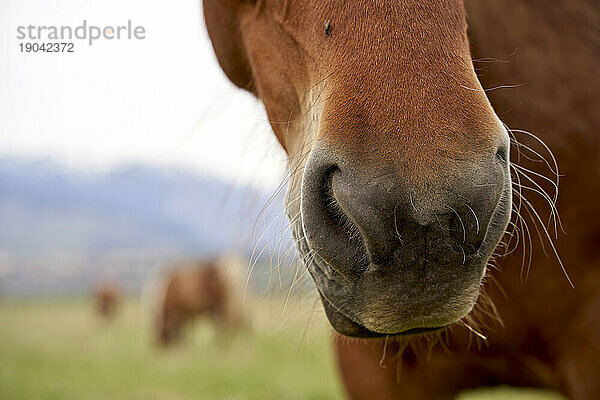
(327,230)
(330,204)
(327,189)
(502,154)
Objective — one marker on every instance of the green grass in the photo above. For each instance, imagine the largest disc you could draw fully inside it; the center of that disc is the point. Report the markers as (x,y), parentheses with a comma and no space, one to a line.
(59,349)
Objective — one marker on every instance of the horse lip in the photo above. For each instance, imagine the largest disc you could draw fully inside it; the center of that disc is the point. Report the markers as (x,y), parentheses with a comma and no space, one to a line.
(348,327)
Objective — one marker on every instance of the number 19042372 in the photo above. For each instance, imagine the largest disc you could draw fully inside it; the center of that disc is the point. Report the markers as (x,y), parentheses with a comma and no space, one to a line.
(47,47)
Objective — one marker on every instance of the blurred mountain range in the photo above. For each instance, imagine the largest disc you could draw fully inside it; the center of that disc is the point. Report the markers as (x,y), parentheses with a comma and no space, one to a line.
(61,230)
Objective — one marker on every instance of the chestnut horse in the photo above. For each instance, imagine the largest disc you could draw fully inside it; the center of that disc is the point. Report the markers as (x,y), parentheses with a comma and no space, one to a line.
(107,298)
(202,288)
(400,187)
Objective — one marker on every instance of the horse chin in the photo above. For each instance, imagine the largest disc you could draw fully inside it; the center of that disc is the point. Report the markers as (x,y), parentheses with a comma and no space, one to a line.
(347,327)
(374,315)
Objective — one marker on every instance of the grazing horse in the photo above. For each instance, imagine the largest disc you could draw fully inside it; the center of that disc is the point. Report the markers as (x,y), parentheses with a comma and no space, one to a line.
(202,288)
(107,297)
(400,186)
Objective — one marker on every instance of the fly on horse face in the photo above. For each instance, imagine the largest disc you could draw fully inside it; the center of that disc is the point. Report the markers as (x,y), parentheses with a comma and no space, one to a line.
(400,183)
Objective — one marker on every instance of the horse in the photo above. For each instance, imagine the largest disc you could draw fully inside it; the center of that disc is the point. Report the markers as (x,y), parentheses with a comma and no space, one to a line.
(107,298)
(198,288)
(407,194)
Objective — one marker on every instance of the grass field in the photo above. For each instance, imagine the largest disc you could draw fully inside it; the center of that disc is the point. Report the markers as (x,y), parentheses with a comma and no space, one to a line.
(58,349)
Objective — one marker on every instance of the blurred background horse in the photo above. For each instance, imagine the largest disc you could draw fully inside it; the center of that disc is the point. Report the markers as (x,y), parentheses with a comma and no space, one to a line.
(210,288)
(107,298)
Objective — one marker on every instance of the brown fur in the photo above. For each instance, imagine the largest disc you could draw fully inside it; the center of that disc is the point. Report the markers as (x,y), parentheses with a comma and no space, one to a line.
(551,333)
(194,290)
(551,337)
(354,79)
(107,299)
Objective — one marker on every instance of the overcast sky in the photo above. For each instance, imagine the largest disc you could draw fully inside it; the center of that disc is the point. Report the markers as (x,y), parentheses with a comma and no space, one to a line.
(161,101)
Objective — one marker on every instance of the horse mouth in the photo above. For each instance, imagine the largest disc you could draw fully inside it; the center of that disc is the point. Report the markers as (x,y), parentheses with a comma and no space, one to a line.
(383,302)
(348,327)
(426,289)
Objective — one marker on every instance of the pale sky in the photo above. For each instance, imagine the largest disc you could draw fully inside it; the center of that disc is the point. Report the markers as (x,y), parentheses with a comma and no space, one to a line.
(161,101)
